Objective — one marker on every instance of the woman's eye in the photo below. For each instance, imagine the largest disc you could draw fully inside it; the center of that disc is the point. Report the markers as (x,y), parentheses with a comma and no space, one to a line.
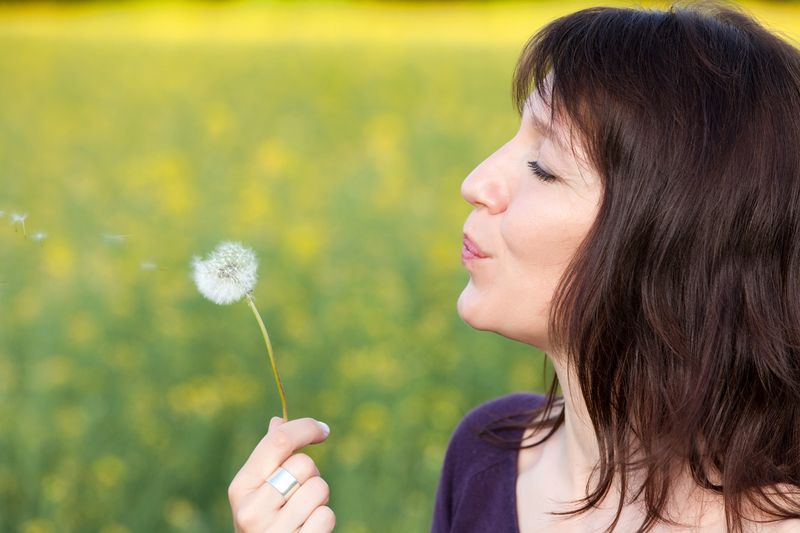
(541,173)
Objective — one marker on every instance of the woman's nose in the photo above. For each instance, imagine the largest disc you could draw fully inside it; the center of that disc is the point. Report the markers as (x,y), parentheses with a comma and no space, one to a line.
(488,185)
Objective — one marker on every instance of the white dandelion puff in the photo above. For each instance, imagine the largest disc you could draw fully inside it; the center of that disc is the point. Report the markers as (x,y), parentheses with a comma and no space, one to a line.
(228,274)
(16,218)
(39,236)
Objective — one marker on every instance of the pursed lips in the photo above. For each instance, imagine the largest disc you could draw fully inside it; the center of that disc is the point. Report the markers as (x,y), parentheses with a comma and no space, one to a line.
(471,250)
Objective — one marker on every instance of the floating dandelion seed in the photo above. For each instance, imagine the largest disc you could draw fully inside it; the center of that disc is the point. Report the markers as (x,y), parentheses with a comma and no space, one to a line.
(114,239)
(39,236)
(150,266)
(227,276)
(20,219)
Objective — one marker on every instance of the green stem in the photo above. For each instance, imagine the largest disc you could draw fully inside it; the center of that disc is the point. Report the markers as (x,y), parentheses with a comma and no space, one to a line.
(271,356)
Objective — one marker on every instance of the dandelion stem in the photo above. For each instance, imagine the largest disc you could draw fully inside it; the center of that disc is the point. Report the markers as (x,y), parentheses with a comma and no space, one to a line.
(271,356)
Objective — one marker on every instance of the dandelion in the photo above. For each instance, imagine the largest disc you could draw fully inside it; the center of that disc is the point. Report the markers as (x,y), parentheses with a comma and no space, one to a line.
(227,276)
(20,219)
(39,236)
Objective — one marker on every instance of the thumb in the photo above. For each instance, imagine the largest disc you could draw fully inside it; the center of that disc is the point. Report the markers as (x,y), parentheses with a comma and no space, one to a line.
(275,422)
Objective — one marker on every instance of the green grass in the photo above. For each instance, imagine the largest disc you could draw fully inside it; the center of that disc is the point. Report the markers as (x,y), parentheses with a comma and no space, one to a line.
(128,402)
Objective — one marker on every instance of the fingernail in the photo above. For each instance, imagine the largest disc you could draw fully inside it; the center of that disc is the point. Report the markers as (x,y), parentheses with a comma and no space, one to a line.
(324,427)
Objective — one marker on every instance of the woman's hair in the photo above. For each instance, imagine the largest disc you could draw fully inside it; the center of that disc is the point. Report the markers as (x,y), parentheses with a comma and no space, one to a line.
(680,314)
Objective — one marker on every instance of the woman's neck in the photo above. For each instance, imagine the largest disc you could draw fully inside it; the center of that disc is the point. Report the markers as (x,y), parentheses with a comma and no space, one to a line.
(556,475)
(577,455)
(580,453)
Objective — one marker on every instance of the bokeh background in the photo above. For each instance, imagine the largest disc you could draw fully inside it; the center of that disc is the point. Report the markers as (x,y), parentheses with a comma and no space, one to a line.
(330,137)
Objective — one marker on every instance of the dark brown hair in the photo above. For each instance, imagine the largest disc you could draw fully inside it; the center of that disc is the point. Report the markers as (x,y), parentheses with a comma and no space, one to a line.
(680,314)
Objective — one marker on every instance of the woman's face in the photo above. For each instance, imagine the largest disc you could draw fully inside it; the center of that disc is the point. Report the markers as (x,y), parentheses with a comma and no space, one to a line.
(535,200)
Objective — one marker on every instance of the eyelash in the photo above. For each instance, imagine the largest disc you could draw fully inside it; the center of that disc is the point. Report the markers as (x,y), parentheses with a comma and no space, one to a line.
(541,173)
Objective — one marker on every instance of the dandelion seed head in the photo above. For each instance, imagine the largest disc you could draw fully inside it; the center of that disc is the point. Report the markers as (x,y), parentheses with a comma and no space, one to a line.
(148,266)
(228,274)
(16,217)
(39,236)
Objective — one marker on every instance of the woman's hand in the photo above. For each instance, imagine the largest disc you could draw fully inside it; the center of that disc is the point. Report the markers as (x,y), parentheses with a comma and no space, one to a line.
(259,507)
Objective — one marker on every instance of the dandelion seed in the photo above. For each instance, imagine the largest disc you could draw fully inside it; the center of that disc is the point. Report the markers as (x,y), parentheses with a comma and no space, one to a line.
(151,266)
(114,239)
(20,219)
(2,213)
(39,236)
(227,276)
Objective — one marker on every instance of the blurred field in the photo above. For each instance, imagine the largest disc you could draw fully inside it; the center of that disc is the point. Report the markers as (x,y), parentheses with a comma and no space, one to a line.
(331,138)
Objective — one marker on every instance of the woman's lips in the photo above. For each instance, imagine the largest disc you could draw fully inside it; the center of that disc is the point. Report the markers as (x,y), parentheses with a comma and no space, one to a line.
(470,250)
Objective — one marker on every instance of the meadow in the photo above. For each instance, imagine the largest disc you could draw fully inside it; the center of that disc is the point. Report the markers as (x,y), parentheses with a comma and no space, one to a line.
(332,139)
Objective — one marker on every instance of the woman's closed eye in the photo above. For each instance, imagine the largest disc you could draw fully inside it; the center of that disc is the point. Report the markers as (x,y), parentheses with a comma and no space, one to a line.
(541,173)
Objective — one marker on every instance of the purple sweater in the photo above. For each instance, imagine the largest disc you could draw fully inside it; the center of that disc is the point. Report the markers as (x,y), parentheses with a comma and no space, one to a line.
(478,487)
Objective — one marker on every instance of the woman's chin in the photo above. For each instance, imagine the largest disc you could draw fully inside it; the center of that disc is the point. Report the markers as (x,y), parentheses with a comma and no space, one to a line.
(469,308)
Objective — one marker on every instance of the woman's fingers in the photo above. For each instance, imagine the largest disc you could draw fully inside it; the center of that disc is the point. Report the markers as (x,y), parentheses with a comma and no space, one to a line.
(311,495)
(275,448)
(275,422)
(266,506)
(322,520)
(256,504)
(301,467)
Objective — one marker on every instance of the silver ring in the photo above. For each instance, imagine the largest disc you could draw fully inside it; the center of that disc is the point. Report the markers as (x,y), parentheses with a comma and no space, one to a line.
(284,482)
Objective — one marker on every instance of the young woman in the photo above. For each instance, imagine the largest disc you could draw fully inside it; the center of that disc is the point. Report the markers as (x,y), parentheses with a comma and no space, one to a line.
(643,229)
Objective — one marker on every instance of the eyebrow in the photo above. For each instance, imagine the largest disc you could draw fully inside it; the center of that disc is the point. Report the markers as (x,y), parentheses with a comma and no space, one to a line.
(550,132)
(558,139)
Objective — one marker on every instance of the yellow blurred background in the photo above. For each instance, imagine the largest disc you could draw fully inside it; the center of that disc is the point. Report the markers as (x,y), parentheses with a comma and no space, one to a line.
(330,137)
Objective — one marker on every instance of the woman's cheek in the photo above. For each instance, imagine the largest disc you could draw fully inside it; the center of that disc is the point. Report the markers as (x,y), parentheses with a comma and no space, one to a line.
(530,236)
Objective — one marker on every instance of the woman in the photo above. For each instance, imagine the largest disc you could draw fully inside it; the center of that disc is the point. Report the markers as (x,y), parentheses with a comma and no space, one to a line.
(643,229)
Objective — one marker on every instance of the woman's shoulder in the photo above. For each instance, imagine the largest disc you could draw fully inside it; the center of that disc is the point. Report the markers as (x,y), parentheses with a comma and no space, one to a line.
(477,485)
(514,408)
(488,432)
